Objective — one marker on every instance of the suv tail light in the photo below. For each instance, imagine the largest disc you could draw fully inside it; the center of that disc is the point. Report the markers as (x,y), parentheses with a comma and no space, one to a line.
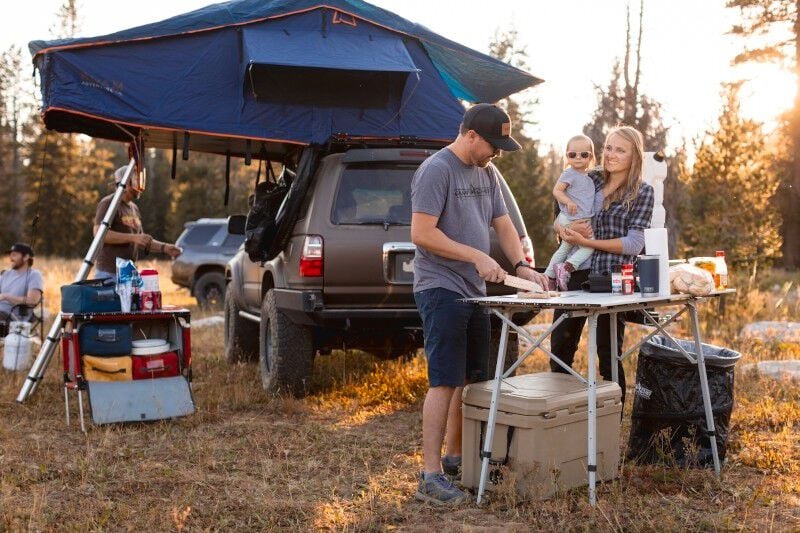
(311,260)
(527,248)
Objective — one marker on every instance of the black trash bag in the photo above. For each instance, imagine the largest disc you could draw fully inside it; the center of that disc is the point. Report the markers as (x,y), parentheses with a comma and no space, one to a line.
(668,421)
(261,227)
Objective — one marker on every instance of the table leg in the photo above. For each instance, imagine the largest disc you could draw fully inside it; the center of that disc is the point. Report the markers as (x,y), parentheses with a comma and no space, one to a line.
(592,408)
(80,410)
(487,442)
(66,403)
(612,317)
(701,369)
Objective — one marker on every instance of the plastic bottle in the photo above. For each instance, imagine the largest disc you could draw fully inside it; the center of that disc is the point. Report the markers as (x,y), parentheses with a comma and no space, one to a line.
(721,275)
(627,279)
(616,279)
(135,299)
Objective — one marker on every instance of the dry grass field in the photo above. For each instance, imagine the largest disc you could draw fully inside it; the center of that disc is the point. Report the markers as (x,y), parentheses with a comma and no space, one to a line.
(346,457)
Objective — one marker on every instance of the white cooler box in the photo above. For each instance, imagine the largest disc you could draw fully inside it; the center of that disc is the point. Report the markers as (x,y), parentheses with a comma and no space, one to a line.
(545,418)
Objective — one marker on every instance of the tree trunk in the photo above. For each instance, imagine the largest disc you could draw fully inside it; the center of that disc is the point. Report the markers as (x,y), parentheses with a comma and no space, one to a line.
(791,223)
(16,169)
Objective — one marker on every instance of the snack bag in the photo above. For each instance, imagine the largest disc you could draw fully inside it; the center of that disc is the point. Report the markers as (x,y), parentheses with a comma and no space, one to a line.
(128,281)
(688,279)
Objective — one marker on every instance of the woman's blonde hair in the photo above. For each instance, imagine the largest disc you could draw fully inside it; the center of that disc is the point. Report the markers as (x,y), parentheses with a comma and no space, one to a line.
(628,191)
(579,137)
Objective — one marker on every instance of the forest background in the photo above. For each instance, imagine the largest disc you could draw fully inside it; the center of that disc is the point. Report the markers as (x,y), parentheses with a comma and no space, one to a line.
(734,187)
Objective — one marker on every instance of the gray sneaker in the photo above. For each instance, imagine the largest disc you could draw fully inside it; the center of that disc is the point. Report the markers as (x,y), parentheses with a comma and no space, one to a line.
(439,490)
(451,464)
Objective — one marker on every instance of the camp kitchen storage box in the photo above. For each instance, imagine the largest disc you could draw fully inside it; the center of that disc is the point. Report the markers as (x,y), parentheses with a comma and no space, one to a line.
(541,432)
(151,381)
(90,296)
(105,339)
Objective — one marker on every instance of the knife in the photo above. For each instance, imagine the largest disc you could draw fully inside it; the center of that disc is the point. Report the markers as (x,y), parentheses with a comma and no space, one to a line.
(524,284)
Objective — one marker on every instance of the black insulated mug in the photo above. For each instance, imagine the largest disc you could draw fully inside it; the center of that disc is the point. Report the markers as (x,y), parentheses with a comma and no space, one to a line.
(648,274)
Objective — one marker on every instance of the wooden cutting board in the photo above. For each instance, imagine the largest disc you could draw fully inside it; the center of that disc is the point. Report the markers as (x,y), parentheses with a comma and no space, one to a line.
(536,290)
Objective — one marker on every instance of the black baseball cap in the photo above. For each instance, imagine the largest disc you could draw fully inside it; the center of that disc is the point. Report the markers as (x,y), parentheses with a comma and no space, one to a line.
(22,248)
(493,124)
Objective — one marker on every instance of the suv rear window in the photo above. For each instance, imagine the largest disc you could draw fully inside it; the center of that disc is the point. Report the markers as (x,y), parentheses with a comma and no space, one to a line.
(370,193)
(233,241)
(200,234)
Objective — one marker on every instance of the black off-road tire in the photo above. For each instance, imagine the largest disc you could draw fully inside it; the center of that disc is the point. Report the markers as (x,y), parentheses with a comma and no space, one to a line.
(286,351)
(209,290)
(241,335)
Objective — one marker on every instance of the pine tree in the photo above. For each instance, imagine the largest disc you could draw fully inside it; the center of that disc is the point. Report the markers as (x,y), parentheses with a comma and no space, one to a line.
(14,103)
(199,189)
(733,188)
(6,140)
(156,199)
(65,181)
(623,102)
(523,169)
(774,25)
(678,211)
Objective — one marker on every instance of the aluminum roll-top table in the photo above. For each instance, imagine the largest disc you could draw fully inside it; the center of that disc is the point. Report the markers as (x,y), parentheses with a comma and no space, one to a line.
(592,305)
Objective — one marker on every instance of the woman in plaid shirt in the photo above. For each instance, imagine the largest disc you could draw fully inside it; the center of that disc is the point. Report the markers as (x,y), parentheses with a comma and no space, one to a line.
(623,207)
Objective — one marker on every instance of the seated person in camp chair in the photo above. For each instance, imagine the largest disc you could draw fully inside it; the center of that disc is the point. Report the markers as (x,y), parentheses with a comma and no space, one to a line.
(21,287)
(125,237)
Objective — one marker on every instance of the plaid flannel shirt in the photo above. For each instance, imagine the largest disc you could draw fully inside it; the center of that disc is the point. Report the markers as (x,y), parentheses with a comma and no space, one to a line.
(615,221)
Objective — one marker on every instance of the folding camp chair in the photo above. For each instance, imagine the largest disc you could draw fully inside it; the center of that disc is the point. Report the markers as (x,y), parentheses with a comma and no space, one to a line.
(32,313)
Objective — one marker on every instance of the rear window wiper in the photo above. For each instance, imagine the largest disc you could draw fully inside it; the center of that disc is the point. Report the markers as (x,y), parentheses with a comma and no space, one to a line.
(385,223)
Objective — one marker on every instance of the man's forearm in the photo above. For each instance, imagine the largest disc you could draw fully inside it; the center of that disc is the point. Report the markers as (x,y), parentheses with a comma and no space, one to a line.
(158,246)
(32,298)
(510,243)
(434,240)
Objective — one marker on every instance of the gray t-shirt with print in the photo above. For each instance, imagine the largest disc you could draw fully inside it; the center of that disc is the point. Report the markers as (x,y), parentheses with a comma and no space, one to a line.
(466,199)
(580,190)
(19,283)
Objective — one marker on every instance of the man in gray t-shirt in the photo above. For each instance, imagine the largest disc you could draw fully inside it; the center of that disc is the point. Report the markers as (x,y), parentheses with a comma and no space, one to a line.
(21,284)
(455,199)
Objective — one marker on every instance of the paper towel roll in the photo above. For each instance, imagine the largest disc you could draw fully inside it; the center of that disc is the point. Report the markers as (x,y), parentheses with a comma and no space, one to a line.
(656,242)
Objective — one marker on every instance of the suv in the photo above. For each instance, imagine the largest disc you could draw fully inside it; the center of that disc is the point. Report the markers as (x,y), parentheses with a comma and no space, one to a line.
(207,248)
(344,277)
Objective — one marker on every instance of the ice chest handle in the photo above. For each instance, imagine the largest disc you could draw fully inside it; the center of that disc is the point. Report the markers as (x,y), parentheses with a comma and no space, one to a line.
(105,339)
(497,442)
(90,296)
(107,368)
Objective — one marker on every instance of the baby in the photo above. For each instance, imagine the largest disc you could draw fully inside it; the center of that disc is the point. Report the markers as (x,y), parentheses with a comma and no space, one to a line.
(574,192)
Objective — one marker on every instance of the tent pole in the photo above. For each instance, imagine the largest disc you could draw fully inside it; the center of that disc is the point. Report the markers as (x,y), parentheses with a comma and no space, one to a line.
(48,347)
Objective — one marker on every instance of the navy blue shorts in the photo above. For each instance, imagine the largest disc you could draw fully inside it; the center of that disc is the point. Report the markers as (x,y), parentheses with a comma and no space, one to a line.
(456,338)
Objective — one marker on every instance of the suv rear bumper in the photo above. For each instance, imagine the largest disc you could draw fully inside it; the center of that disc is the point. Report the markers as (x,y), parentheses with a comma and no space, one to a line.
(307,307)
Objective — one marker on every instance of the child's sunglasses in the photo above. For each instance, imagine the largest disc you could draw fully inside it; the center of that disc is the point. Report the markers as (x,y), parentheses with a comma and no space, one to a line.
(573,155)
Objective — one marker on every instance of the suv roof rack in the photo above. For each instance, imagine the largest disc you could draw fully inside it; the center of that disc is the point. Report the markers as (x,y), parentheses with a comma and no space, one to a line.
(205,221)
(341,142)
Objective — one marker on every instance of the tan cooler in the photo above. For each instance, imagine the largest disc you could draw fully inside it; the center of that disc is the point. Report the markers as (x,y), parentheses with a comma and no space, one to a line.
(545,419)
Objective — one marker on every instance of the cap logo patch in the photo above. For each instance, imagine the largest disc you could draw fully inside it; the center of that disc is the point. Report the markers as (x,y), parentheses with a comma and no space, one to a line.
(506,129)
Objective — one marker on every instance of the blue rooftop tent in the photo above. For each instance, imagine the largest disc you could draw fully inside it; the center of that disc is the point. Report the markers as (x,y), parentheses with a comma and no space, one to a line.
(282,73)
(267,79)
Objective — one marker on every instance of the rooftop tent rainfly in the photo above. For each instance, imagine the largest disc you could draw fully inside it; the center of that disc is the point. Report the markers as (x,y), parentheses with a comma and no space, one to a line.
(214,73)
